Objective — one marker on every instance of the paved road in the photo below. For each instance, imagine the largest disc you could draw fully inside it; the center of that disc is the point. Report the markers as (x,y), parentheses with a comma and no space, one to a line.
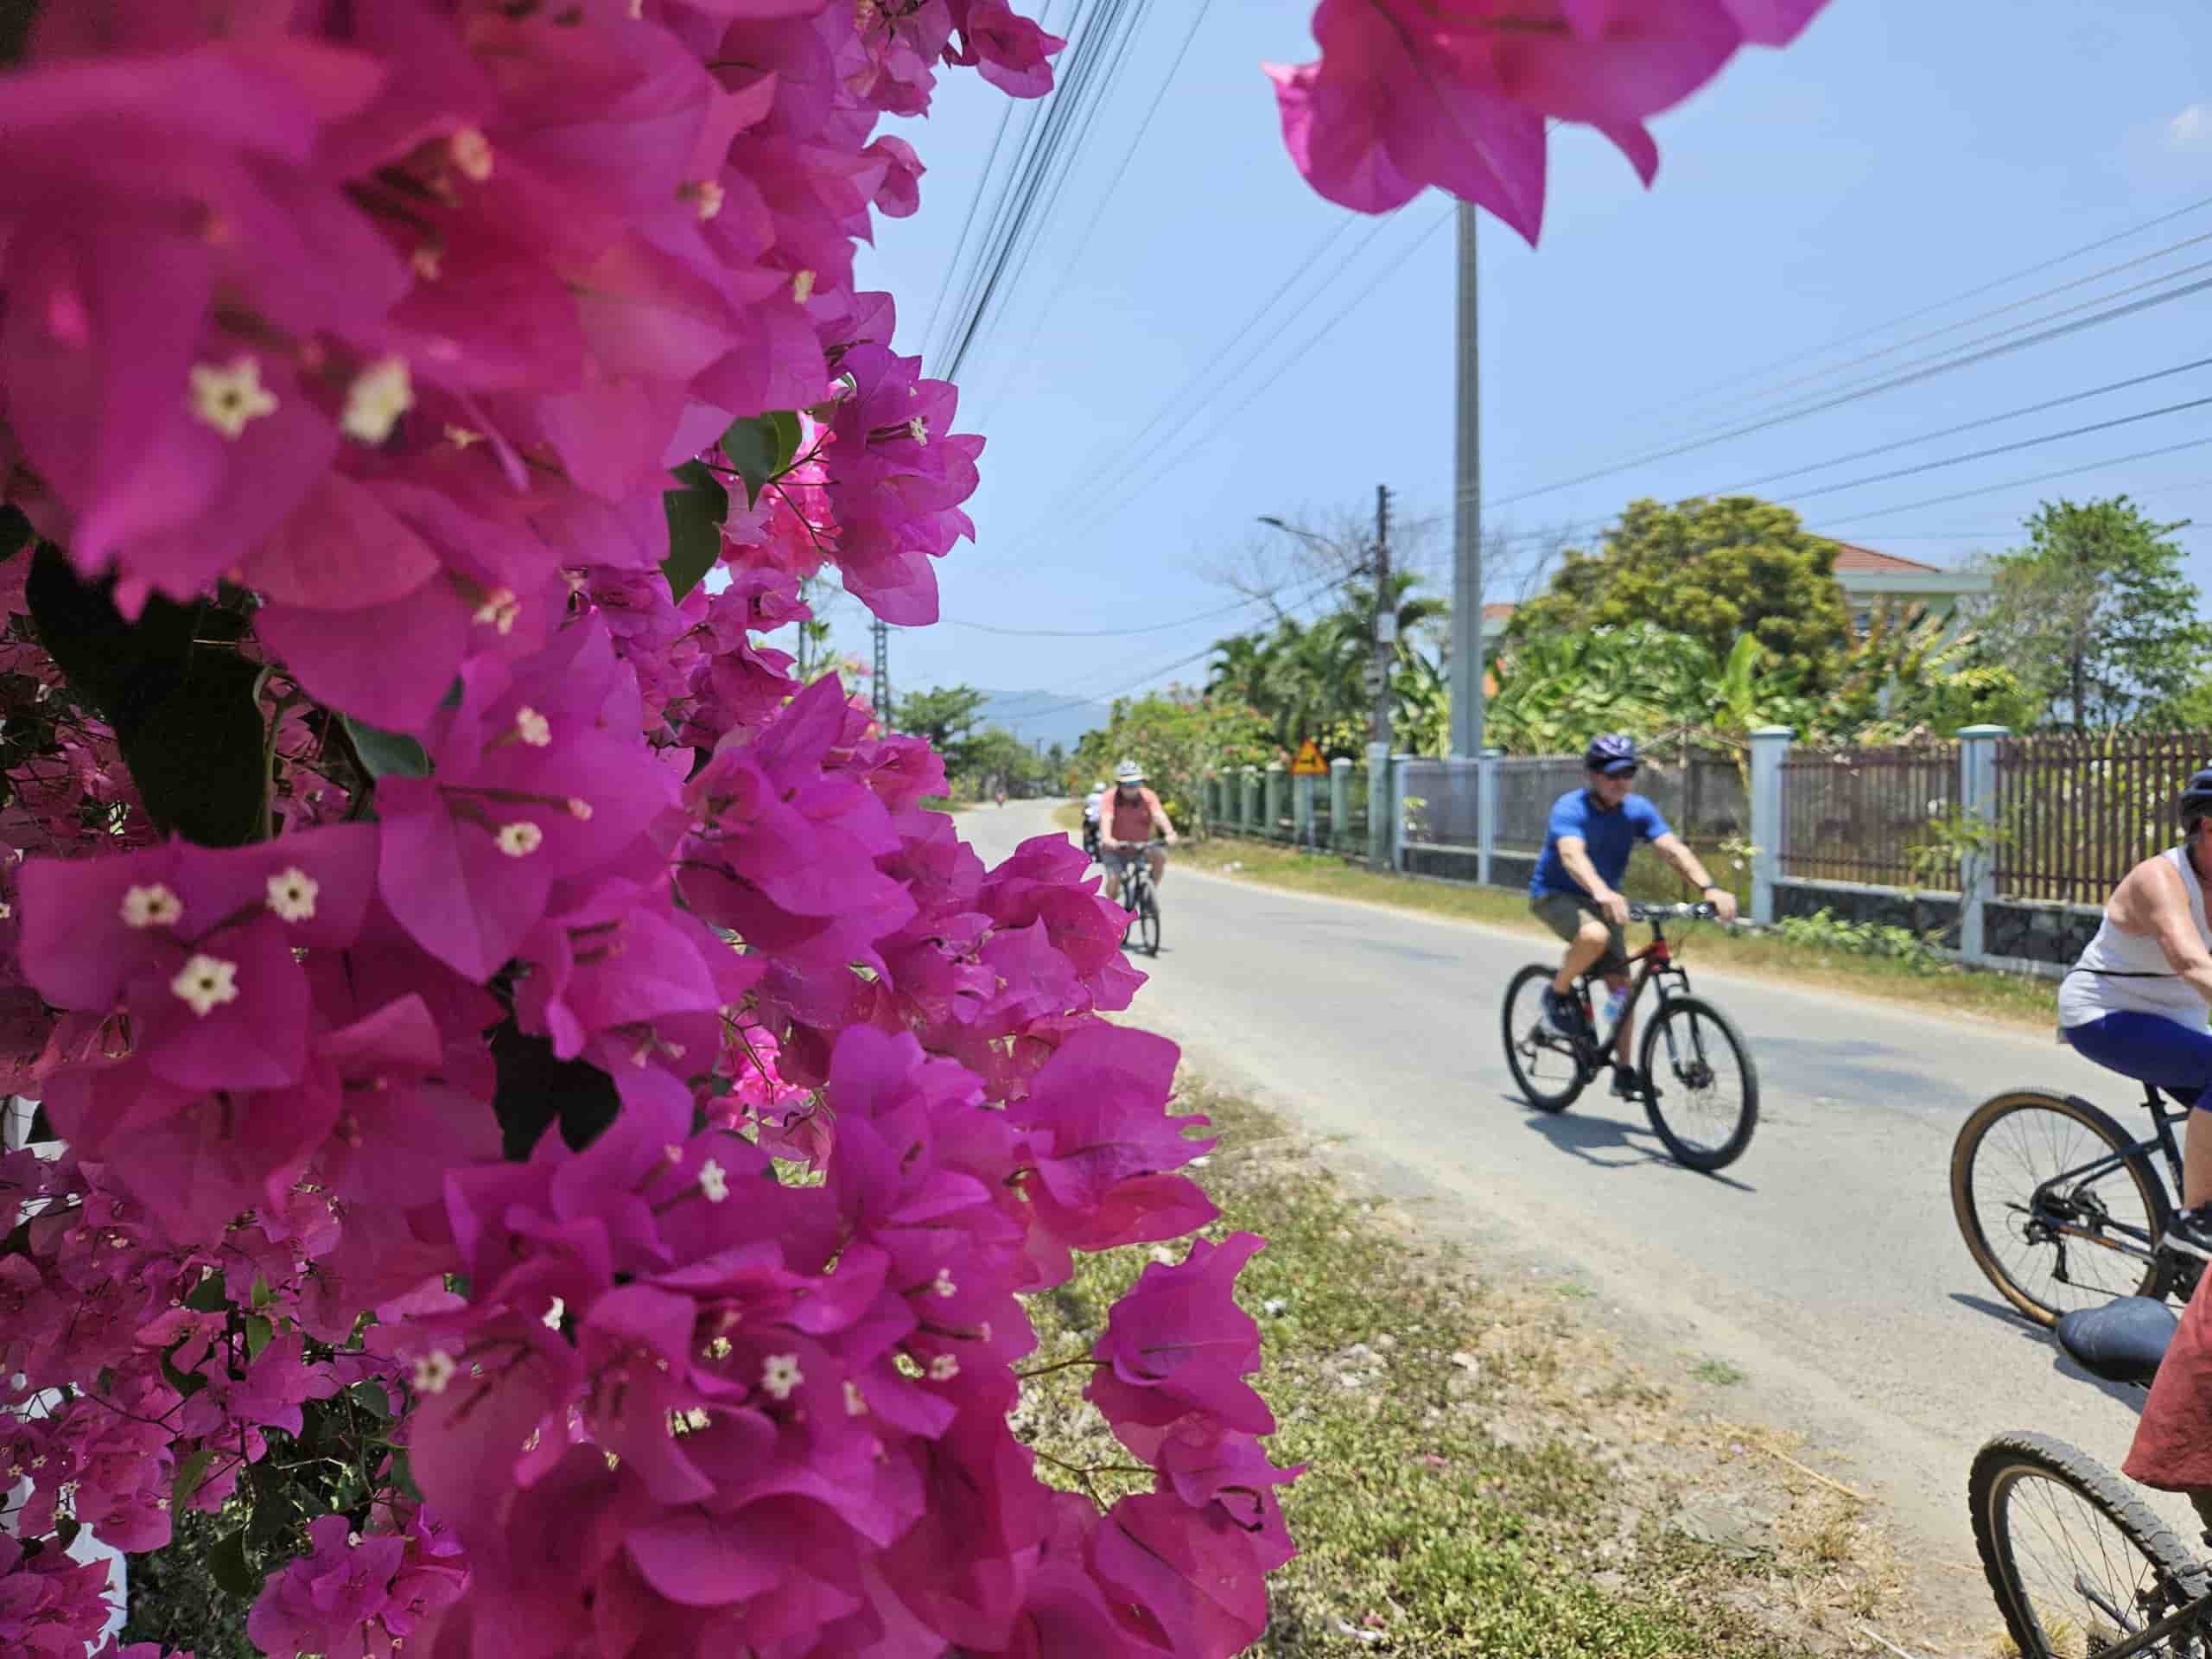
(1825,1264)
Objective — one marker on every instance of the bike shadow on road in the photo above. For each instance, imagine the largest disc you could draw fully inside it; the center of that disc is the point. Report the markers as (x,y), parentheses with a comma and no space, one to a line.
(1589,1137)
(2035,1335)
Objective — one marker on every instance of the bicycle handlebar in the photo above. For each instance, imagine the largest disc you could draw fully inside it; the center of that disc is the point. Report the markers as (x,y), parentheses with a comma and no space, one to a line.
(1671,912)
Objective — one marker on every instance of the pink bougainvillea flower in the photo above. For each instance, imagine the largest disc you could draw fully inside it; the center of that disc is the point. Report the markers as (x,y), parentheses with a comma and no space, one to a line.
(1009,50)
(1409,93)
(1178,1343)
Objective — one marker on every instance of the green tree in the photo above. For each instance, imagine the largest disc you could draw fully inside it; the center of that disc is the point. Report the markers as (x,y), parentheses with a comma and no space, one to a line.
(2097,608)
(1180,737)
(1713,570)
(945,714)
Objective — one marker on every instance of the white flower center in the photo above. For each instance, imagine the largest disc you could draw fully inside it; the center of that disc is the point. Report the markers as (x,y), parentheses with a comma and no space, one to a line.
(533,727)
(943,1368)
(500,609)
(553,1315)
(854,1405)
(380,394)
(519,839)
(943,1285)
(713,1181)
(433,1371)
(919,430)
(705,197)
(230,399)
(472,153)
(802,287)
(206,983)
(780,1375)
(151,905)
(291,895)
(579,808)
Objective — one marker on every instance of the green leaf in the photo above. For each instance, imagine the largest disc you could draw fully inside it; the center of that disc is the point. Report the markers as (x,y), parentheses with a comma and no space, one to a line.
(403,1476)
(694,527)
(228,1565)
(387,753)
(370,1397)
(197,757)
(189,1474)
(186,1384)
(261,1296)
(65,1530)
(14,531)
(208,1296)
(536,1087)
(259,1332)
(761,446)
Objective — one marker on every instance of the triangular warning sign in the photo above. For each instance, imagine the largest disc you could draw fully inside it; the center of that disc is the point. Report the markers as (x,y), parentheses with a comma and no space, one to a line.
(1309,763)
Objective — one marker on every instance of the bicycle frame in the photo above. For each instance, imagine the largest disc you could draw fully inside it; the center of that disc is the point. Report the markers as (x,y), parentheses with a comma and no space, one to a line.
(2196,1612)
(1656,961)
(2164,1116)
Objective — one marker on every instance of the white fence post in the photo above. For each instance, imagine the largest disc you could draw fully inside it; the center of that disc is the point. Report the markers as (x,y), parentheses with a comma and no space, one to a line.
(1278,778)
(1485,813)
(1977,805)
(1383,836)
(1301,809)
(1339,802)
(1769,745)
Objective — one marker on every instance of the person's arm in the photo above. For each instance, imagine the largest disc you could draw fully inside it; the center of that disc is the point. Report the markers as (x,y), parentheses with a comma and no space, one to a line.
(1574,854)
(1160,818)
(2161,902)
(1672,848)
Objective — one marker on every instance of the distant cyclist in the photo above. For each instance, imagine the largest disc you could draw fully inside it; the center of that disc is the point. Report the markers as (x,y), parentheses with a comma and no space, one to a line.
(1128,819)
(1576,889)
(1093,805)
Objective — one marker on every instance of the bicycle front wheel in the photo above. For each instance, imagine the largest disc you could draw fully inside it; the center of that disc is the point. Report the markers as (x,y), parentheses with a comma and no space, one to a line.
(1700,1087)
(2056,1207)
(1148,924)
(1545,1064)
(2077,1562)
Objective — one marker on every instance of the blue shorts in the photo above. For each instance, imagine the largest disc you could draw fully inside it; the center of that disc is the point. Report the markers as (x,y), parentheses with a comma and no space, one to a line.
(2149,1048)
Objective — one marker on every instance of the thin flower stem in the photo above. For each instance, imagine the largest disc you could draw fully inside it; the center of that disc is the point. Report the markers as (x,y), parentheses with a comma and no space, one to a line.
(1046,1370)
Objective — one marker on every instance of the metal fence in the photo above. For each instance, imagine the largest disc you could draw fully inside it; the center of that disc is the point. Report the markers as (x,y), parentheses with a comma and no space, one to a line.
(1527,784)
(1868,815)
(1442,803)
(1700,796)
(2073,814)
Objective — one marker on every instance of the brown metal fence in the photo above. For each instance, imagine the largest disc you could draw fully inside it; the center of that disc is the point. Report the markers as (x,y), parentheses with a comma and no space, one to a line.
(1862,814)
(2075,814)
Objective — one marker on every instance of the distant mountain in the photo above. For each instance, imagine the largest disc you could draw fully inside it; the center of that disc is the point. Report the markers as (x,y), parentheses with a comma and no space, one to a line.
(1049,715)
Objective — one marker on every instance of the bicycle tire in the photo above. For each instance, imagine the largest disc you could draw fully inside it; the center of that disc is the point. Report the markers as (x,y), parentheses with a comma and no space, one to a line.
(1530,1020)
(1148,923)
(1688,1012)
(1974,1134)
(2000,1467)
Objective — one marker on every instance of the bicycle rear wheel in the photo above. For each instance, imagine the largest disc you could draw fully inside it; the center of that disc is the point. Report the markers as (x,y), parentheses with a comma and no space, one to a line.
(1700,1088)
(1545,1064)
(2052,1246)
(2077,1562)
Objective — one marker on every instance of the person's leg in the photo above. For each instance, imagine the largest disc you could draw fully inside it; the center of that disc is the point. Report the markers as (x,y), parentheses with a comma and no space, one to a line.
(2151,1048)
(1159,865)
(1625,1042)
(2196,1159)
(1582,953)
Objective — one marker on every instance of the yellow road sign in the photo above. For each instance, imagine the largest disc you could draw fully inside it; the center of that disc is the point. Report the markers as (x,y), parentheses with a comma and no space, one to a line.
(1309,763)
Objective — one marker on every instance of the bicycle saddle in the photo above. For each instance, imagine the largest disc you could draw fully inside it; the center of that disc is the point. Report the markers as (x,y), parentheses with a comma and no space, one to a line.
(2121,1342)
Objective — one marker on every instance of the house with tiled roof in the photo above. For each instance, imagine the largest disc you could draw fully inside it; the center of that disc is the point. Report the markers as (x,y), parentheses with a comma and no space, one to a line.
(1869,579)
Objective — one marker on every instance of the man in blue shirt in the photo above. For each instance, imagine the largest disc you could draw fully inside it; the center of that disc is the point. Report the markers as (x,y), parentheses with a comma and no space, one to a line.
(1576,889)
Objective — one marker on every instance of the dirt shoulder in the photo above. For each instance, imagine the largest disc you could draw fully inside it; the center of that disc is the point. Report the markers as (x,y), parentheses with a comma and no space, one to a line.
(1492,1472)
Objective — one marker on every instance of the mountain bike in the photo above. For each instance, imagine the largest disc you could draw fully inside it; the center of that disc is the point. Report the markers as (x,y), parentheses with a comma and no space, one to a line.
(2061,1209)
(1693,1071)
(2081,1568)
(1138,898)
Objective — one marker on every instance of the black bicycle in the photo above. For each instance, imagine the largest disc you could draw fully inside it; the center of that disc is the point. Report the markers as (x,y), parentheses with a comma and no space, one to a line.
(2061,1209)
(1693,1070)
(2081,1568)
(1138,898)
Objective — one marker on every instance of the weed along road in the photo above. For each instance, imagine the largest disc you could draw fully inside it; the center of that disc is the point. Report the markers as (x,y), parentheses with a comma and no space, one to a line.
(1824,1265)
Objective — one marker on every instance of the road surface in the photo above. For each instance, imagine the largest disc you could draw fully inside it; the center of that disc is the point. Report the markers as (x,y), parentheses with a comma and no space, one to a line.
(1824,1264)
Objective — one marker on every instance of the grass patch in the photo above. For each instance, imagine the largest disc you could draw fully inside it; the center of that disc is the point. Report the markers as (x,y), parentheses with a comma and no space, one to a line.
(1718,1372)
(1487,1477)
(1802,961)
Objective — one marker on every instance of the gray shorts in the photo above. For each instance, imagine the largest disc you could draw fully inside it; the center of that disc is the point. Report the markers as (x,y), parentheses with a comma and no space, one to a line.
(1115,860)
(1563,913)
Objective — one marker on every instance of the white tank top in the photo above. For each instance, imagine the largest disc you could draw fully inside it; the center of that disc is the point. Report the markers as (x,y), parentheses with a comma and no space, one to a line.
(2126,972)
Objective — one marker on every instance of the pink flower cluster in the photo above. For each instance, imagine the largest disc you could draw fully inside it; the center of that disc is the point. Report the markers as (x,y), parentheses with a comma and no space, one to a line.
(1458,93)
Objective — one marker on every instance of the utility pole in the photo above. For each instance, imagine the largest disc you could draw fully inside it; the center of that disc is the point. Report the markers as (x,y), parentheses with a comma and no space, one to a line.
(882,632)
(1467,519)
(1382,646)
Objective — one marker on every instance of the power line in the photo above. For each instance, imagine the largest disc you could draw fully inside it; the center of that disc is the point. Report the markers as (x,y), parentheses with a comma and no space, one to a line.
(1927,311)
(1911,376)
(2019,483)
(1106,633)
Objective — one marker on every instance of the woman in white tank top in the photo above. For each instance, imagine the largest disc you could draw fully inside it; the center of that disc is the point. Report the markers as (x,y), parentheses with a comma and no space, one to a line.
(2139,1000)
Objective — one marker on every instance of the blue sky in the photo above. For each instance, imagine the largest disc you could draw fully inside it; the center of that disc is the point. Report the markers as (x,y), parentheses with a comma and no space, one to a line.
(1901,152)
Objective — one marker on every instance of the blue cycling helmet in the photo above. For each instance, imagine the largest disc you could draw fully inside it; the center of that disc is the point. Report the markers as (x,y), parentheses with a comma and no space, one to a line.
(1613,753)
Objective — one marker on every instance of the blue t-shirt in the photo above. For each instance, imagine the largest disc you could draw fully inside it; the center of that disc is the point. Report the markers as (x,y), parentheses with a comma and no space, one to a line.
(1609,837)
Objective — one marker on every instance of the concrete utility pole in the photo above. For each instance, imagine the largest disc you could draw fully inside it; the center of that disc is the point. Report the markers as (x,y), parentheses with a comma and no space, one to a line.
(1467,519)
(1386,617)
(882,631)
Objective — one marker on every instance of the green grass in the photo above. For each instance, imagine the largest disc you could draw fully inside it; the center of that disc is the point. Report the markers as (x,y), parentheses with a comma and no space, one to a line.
(2020,998)
(1420,1522)
(1718,1372)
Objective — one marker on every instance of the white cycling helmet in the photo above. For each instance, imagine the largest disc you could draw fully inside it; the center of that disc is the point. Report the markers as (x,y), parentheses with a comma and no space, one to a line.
(1128,773)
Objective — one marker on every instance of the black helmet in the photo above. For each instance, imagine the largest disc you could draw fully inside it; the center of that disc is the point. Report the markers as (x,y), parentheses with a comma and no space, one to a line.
(1614,753)
(2196,798)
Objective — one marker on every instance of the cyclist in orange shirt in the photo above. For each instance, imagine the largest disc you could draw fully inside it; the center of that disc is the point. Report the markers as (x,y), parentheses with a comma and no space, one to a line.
(1130,816)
